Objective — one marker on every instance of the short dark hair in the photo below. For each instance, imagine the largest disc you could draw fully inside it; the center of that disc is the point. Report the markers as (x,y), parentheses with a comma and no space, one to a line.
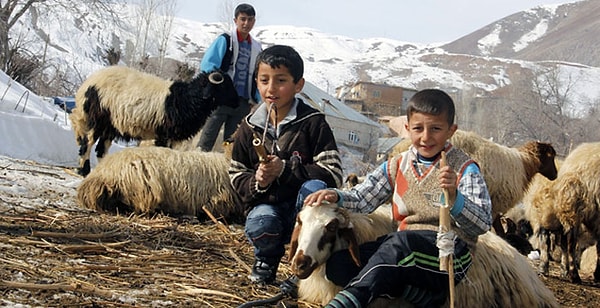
(244,8)
(431,101)
(278,55)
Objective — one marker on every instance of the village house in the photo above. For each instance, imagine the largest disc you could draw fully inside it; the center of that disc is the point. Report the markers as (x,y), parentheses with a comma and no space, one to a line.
(375,100)
(350,128)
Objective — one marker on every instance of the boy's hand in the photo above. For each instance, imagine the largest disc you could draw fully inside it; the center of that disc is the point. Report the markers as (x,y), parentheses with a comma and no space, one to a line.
(322,196)
(448,181)
(268,171)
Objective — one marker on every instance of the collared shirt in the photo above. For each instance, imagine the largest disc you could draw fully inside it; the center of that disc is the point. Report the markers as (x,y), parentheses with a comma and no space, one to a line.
(241,39)
(472,209)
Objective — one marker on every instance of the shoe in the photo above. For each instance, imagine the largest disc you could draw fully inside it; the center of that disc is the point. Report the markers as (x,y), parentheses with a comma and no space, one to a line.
(263,272)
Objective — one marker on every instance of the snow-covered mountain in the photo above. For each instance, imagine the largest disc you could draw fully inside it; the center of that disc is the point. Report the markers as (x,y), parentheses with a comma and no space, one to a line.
(483,60)
(565,32)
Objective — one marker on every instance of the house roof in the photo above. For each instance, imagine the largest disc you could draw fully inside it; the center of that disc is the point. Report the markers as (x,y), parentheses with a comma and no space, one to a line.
(331,106)
(385,145)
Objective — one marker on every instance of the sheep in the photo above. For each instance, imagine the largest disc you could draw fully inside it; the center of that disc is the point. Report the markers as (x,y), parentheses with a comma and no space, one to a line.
(311,223)
(507,171)
(517,227)
(568,207)
(353,179)
(120,102)
(499,276)
(147,180)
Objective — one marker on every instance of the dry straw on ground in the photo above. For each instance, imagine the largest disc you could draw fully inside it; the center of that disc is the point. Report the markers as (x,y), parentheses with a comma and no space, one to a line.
(55,254)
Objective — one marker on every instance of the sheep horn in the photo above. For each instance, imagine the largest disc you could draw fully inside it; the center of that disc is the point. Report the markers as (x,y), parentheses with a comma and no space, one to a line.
(216,78)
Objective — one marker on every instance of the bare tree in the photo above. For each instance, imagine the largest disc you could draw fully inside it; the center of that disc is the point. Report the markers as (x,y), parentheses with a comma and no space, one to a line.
(10,12)
(540,107)
(227,10)
(164,28)
(15,46)
(145,13)
(154,19)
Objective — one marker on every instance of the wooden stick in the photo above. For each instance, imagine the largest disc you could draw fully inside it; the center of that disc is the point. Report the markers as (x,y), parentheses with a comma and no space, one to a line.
(218,223)
(446,263)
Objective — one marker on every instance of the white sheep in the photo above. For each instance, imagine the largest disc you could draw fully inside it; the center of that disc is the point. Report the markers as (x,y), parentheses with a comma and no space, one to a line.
(150,180)
(498,277)
(314,287)
(507,171)
(569,207)
(120,102)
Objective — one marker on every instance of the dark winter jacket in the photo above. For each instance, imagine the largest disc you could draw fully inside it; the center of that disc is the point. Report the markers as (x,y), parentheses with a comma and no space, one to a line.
(305,142)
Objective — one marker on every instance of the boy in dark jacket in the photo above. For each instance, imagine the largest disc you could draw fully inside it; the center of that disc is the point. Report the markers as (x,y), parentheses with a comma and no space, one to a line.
(300,156)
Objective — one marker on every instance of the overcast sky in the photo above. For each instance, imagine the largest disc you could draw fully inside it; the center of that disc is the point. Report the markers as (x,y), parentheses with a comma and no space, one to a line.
(416,21)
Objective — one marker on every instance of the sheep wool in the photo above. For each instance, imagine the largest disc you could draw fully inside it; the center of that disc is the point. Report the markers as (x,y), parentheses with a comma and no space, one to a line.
(568,207)
(149,180)
(316,288)
(120,102)
(498,277)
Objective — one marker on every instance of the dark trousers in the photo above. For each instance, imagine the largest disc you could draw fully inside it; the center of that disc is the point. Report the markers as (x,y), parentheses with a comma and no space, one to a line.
(402,264)
(223,115)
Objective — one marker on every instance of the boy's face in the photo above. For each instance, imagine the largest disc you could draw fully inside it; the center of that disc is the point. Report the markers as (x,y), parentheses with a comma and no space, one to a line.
(244,23)
(276,85)
(429,133)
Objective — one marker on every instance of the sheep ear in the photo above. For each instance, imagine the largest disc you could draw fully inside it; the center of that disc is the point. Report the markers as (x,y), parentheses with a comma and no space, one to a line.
(348,235)
(294,242)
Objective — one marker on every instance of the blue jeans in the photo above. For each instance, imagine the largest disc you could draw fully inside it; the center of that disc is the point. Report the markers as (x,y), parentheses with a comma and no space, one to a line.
(269,226)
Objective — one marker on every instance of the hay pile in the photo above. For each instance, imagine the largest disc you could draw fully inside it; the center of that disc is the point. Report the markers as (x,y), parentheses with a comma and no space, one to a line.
(54,258)
(55,254)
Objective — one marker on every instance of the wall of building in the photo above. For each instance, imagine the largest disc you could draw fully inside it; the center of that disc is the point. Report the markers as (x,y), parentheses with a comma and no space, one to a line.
(380,99)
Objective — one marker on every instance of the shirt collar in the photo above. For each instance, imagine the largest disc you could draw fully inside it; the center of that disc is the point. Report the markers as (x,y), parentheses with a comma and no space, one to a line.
(240,39)
(259,117)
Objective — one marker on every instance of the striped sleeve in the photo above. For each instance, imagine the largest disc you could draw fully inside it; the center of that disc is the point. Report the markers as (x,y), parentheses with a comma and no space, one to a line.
(367,196)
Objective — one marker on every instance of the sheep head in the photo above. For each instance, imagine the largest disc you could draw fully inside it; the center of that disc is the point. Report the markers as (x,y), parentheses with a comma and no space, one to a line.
(319,231)
(545,154)
(216,87)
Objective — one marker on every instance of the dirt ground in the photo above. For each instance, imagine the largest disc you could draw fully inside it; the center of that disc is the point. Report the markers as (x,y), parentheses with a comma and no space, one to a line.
(54,254)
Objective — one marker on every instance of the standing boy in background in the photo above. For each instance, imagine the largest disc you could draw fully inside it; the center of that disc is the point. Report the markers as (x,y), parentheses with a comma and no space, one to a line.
(405,263)
(234,54)
(300,157)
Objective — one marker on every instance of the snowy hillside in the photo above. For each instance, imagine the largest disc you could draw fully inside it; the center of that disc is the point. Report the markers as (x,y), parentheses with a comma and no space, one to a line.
(331,60)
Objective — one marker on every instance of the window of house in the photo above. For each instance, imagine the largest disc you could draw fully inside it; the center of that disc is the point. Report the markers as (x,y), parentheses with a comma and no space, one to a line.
(376,93)
(353,137)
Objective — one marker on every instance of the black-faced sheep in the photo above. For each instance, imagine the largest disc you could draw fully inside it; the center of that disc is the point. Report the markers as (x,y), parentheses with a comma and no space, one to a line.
(518,229)
(150,180)
(499,276)
(507,171)
(569,206)
(120,102)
